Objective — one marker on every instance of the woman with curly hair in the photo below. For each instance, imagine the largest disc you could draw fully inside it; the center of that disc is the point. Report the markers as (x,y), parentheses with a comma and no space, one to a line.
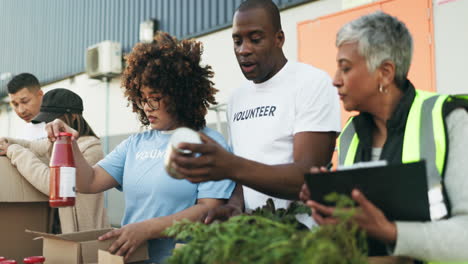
(167,88)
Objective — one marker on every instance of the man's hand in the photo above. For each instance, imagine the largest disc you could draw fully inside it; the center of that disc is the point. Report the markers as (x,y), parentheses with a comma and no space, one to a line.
(213,162)
(55,127)
(3,146)
(129,238)
(368,217)
(222,213)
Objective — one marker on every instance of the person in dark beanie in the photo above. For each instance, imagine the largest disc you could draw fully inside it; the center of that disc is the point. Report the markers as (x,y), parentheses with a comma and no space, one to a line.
(66,105)
(25,96)
(31,158)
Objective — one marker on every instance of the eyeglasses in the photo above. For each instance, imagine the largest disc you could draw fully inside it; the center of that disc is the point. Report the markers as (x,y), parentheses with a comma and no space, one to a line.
(153,103)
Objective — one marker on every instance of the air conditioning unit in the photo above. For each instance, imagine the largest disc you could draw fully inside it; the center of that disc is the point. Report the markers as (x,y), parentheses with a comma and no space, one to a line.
(104,60)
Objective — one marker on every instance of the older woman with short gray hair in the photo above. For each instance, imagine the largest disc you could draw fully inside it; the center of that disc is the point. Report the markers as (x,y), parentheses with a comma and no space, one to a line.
(374,56)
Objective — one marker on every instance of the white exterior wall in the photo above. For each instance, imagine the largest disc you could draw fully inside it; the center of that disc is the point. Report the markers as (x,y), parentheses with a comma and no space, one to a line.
(451,42)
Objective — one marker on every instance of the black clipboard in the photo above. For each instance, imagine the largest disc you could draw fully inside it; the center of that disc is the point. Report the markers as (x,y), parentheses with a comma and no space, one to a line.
(399,190)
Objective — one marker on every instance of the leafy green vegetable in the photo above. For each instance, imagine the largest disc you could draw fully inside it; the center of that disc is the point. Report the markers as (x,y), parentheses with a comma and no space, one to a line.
(285,216)
(271,237)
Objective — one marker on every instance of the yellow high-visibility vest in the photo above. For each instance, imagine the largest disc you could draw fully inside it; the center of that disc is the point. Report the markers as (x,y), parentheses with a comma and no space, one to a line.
(424,139)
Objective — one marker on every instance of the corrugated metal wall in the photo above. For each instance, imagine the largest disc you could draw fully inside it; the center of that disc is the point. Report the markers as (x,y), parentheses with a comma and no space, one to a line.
(49,37)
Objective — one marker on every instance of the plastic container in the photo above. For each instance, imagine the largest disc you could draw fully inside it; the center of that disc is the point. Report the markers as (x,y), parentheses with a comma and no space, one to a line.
(181,134)
(62,172)
(35,259)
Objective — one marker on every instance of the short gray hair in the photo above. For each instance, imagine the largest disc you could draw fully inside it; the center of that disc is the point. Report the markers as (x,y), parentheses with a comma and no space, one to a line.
(380,37)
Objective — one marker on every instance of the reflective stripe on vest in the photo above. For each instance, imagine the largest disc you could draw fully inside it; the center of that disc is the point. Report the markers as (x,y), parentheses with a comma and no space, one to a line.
(348,142)
(424,138)
(430,130)
(425,122)
(438,161)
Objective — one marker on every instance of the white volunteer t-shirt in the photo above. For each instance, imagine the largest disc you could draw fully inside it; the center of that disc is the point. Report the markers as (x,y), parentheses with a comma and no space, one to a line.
(263,118)
(33,131)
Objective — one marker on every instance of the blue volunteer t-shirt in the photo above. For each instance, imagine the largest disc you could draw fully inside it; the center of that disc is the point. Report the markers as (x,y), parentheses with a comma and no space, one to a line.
(137,164)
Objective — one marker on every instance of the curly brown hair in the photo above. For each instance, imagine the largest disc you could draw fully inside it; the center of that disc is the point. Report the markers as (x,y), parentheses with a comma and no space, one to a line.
(171,67)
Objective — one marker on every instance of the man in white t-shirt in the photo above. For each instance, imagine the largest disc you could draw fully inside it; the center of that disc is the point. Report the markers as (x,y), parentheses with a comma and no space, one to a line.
(282,121)
(25,95)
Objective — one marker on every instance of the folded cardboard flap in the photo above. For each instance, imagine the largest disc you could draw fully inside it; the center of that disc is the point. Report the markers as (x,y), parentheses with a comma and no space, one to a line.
(89,248)
(75,237)
(81,247)
(105,257)
(84,235)
(61,251)
(14,187)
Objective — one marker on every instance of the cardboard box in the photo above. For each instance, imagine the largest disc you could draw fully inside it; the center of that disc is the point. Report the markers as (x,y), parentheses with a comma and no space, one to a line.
(105,257)
(21,207)
(80,247)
